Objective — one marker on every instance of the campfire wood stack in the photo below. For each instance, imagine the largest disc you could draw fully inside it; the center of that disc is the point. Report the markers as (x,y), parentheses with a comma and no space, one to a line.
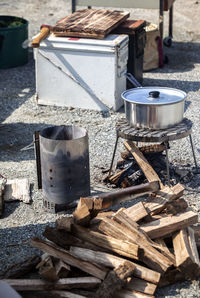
(127,171)
(124,253)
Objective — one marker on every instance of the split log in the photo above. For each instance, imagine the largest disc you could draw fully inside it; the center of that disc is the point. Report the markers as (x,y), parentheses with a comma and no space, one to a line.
(136,212)
(66,257)
(158,201)
(65,240)
(124,248)
(147,169)
(140,285)
(47,269)
(22,268)
(17,189)
(115,280)
(165,226)
(64,283)
(89,207)
(187,259)
(62,269)
(165,250)
(147,253)
(109,260)
(197,235)
(64,223)
(1,200)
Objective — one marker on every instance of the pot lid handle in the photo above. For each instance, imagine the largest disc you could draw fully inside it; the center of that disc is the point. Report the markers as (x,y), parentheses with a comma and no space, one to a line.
(154,94)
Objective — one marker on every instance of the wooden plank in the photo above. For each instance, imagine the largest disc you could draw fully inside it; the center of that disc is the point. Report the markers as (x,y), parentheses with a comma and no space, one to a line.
(186,260)
(115,280)
(63,283)
(167,225)
(124,248)
(131,294)
(140,285)
(147,169)
(147,253)
(95,23)
(152,4)
(136,212)
(60,253)
(111,261)
(67,294)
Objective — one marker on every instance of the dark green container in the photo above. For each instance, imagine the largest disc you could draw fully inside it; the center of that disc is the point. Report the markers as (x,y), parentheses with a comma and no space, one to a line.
(13,41)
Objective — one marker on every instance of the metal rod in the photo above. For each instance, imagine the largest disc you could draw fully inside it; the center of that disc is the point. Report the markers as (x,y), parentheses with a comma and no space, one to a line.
(38,159)
(171,21)
(192,146)
(73,6)
(167,163)
(113,156)
(161,19)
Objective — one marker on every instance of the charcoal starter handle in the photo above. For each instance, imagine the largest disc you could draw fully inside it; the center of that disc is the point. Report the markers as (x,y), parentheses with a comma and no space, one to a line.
(133,80)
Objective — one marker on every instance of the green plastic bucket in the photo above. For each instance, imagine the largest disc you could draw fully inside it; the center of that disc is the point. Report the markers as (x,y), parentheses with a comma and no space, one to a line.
(13,41)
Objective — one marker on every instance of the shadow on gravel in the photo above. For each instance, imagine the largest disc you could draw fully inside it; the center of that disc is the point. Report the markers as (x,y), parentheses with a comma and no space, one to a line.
(17,85)
(15,137)
(182,57)
(186,86)
(174,290)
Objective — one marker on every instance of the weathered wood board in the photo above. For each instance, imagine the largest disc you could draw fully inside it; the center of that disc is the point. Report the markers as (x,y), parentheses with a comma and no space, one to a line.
(90,23)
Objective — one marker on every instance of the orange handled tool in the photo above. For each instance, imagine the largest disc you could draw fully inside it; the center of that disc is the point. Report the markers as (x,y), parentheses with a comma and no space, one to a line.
(44,32)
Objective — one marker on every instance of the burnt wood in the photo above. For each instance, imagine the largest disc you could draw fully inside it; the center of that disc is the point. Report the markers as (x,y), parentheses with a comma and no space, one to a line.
(90,23)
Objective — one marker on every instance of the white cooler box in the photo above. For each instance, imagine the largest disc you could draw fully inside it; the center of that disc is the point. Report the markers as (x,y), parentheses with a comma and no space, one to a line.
(80,72)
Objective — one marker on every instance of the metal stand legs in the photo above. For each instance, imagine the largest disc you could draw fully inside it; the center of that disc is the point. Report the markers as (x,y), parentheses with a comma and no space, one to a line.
(113,156)
(167,163)
(192,146)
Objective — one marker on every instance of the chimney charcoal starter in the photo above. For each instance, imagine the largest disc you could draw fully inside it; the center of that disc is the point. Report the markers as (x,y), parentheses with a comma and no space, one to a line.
(65,171)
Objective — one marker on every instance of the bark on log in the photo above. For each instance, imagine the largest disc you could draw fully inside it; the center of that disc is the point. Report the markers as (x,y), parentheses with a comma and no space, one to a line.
(64,283)
(115,280)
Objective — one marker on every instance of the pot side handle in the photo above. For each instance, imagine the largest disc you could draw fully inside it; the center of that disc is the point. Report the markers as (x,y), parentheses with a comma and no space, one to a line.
(133,80)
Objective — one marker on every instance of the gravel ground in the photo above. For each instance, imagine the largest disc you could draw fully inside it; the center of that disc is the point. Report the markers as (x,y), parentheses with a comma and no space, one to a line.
(20,117)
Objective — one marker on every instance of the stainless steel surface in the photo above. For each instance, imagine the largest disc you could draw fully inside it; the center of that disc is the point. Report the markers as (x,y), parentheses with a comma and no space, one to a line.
(153,107)
(153,116)
(65,164)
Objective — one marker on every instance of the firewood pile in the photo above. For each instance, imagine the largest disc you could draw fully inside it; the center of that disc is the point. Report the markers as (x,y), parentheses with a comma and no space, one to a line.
(126,253)
(128,171)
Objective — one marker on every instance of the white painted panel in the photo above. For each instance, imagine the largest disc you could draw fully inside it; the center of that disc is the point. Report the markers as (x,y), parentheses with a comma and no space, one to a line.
(153,4)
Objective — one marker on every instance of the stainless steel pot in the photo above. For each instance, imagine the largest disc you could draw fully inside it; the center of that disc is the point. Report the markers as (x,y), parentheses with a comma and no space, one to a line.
(153,107)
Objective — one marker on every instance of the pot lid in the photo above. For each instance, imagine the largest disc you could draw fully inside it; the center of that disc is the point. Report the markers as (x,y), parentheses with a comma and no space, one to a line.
(154,95)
